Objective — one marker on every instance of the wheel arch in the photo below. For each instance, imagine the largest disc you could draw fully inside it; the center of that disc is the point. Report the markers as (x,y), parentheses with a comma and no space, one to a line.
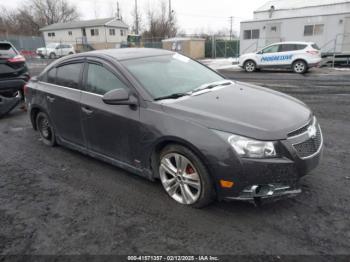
(34,111)
(159,145)
(300,59)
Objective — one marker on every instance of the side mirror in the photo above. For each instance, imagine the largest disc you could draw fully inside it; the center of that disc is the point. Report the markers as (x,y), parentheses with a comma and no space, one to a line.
(119,96)
(260,52)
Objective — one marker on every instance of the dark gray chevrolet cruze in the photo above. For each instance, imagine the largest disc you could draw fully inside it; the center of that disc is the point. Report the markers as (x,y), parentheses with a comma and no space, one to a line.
(162,115)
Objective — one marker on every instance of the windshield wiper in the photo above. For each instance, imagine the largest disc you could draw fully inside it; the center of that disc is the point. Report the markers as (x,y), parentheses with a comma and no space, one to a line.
(172,96)
(210,86)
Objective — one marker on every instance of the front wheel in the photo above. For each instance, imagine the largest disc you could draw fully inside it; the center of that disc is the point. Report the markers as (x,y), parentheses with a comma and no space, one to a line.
(46,131)
(184,177)
(250,66)
(52,56)
(300,67)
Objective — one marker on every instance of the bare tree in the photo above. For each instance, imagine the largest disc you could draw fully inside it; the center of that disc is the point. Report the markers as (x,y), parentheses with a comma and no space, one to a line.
(136,15)
(161,24)
(35,14)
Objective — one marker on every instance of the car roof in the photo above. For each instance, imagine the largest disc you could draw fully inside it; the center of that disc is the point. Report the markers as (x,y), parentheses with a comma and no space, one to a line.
(129,53)
(293,42)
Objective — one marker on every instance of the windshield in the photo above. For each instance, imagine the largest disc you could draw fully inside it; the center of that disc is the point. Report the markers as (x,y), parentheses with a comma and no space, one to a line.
(53,45)
(170,74)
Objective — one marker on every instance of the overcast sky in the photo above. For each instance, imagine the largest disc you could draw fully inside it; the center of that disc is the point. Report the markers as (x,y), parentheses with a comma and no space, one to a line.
(192,15)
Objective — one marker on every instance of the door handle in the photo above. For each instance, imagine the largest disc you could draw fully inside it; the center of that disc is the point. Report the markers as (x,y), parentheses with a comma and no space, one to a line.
(87,110)
(50,98)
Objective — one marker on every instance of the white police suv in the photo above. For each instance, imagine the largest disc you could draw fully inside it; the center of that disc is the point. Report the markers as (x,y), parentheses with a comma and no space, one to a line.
(298,56)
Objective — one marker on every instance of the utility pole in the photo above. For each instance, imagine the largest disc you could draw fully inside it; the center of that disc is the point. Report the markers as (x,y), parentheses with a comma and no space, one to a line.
(231,25)
(170,12)
(118,11)
(136,19)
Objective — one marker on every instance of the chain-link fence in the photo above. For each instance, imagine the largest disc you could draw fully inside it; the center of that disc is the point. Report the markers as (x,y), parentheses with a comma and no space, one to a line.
(221,48)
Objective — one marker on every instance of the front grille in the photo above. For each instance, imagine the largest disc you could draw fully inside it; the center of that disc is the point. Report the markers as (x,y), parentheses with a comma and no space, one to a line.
(310,146)
(300,130)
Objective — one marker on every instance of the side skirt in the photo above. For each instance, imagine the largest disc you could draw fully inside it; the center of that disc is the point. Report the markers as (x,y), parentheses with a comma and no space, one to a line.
(138,171)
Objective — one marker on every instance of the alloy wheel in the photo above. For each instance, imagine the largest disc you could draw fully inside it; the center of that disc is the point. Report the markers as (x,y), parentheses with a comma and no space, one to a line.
(45,128)
(180,178)
(299,67)
(250,66)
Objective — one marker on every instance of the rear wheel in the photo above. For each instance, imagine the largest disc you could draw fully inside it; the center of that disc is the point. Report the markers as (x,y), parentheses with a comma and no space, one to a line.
(184,177)
(300,67)
(249,66)
(52,56)
(46,131)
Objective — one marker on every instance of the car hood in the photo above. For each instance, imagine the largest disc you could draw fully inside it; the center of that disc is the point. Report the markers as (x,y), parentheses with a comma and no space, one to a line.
(243,109)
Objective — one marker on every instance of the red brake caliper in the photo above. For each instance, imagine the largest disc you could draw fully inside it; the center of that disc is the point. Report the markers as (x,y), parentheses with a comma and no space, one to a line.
(189,170)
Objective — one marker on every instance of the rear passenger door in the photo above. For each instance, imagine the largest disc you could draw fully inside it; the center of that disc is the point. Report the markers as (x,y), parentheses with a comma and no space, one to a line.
(286,53)
(63,96)
(110,130)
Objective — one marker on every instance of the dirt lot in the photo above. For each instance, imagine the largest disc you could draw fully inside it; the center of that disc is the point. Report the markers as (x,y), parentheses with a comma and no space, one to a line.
(56,201)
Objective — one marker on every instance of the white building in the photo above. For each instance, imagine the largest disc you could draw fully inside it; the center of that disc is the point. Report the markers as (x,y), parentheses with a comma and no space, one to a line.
(98,33)
(325,22)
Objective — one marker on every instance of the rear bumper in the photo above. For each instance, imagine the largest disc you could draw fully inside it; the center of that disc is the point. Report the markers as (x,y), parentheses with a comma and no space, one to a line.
(12,85)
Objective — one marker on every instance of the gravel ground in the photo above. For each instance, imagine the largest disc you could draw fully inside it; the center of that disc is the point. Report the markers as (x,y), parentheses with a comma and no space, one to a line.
(57,201)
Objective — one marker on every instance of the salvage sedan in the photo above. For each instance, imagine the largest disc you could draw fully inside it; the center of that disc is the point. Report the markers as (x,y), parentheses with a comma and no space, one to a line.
(164,116)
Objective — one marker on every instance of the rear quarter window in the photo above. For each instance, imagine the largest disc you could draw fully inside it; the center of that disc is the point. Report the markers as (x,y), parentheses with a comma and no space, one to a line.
(315,46)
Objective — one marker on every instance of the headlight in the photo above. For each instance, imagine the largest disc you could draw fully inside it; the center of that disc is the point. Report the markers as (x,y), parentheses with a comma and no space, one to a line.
(247,147)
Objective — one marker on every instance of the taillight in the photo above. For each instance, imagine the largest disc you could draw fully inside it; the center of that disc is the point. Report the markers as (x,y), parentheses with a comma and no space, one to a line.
(16,59)
(312,52)
(25,89)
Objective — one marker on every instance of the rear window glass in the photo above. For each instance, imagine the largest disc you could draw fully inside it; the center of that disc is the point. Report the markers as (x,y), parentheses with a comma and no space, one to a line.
(68,75)
(301,47)
(7,49)
(315,46)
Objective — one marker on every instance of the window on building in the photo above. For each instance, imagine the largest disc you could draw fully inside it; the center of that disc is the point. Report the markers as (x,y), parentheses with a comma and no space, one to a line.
(68,75)
(70,33)
(310,30)
(121,32)
(101,81)
(255,34)
(111,31)
(273,28)
(318,30)
(251,34)
(51,34)
(94,32)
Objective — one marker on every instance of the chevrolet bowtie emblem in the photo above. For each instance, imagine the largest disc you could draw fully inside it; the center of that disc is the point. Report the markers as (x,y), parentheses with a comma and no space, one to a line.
(312,131)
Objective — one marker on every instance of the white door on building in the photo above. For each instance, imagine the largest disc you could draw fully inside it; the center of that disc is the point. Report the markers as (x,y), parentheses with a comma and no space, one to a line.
(346,37)
(273,33)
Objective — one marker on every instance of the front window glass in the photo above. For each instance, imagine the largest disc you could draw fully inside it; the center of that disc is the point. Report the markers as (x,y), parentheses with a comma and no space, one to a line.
(101,81)
(170,74)
(271,49)
(52,45)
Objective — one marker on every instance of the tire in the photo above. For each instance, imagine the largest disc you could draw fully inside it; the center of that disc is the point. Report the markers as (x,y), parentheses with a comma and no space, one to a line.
(45,129)
(249,66)
(52,56)
(70,53)
(190,184)
(300,67)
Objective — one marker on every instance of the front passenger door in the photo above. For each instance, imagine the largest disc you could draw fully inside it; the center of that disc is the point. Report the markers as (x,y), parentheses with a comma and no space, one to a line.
(269,56)
(110,130)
